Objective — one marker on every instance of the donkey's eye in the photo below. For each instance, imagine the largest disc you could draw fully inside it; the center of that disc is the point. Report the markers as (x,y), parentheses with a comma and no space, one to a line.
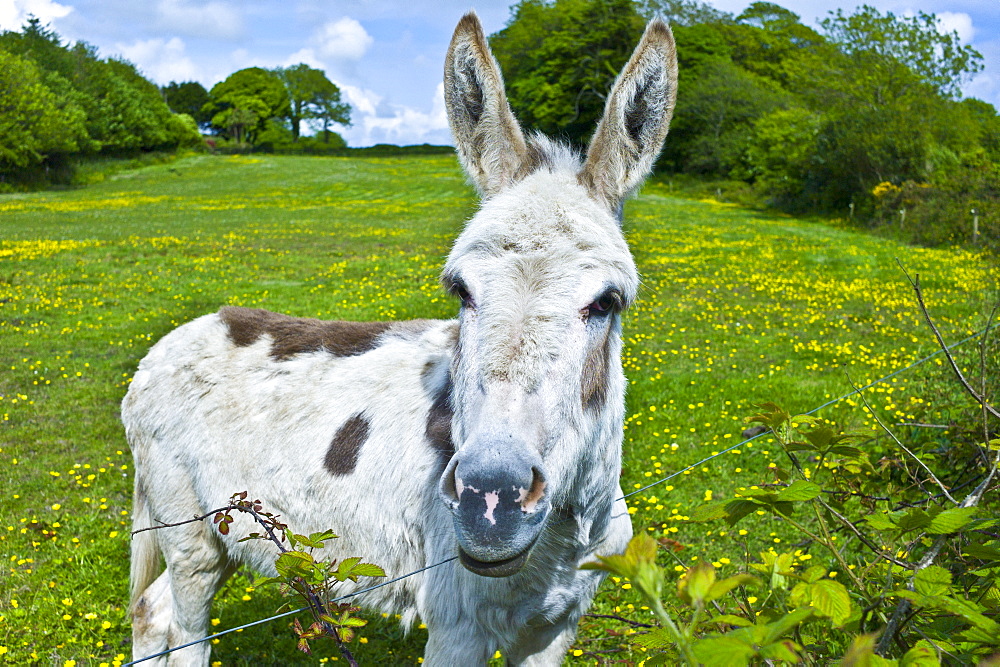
(462,292)
(604,304)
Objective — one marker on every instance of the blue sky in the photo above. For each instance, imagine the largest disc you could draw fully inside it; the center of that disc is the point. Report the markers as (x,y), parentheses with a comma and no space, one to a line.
(385,54)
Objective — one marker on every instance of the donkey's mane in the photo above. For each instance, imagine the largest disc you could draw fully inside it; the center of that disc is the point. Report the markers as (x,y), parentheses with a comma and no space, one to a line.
(550,155)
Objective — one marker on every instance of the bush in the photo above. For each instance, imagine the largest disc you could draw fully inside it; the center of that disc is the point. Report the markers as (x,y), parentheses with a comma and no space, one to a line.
(898,552)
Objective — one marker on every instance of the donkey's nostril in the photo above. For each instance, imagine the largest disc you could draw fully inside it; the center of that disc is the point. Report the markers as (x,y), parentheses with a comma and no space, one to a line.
(529,497)
(449,486)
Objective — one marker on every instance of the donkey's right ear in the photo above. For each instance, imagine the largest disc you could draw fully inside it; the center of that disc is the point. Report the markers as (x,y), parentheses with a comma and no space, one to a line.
(636,118)
(488,139)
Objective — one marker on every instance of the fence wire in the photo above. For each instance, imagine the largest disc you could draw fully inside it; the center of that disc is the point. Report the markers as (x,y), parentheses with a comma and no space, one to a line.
(627,495)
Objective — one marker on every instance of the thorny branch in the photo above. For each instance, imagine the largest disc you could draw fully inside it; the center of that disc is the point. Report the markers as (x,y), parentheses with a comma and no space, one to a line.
(972,499)
(269,523)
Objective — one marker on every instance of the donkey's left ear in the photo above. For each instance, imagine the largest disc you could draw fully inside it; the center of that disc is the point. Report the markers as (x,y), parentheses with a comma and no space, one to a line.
(488,139)
(636,118)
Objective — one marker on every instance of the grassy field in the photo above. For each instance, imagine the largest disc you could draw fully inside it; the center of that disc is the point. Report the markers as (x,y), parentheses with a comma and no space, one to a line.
(737,307)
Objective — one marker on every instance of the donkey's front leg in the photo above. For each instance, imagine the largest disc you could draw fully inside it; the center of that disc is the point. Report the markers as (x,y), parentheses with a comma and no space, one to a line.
(543,649)
(457,645)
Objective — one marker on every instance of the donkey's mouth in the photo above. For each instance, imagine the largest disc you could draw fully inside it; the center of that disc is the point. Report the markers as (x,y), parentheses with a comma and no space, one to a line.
(496,568)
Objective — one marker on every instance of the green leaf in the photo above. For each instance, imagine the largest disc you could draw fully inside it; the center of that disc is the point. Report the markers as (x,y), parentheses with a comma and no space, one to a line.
(799,490)
(932,580)
(294,564)
(720,588)
(641,548)
(264,581)
(980,636)
(770,415)
(951,521)
(730,619)
(774,565)
(694,585)
(723,651)
(709,512)
(766,494)
(799,446)
(861,653)
(921,655)
(783,508)
(961,608)
(831,599)
(786,650)
(638,563)
(846,450)
(880,521)
(982,551)
(820,437)
(354,622)
(367,570)
(322,536)
(295,539)
(776,629)
(814,573)
(914,519)
(657,639)
(737,509)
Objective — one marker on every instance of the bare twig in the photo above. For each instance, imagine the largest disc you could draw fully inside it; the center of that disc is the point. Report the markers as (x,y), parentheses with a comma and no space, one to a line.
(947,353)
(901,445)
(181,523)
(864,540)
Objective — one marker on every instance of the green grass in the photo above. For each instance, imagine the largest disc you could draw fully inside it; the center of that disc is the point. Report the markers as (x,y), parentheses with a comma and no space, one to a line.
(737,307)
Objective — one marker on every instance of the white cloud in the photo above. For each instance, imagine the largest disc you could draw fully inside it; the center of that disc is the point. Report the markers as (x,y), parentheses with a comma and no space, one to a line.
(958,22)
(307,56)
(14,13)
(344,39)
(985,86)
(376,122)
(362,100)
(200,19)
(161,60)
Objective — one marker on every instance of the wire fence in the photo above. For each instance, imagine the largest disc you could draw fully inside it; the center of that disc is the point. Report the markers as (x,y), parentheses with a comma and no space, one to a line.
(715,455)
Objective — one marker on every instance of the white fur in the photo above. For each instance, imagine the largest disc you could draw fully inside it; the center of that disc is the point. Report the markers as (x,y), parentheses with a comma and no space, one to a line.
(207,418)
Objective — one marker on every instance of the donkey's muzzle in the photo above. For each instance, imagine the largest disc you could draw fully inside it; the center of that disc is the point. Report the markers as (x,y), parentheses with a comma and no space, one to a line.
(499,503)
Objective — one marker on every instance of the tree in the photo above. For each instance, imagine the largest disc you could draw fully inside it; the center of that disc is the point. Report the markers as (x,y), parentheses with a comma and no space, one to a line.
(885,44)
(780,153)
(681,12)
(715,117)
(560,59)
(243,103)
(888,72)
(34,123)
(328,110)
(189,97)
(312,96)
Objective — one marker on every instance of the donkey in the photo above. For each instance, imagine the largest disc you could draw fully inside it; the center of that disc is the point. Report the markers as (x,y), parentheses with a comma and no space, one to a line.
(496,437)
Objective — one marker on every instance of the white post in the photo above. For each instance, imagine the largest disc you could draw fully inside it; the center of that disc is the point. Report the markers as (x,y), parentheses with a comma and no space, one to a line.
(975,226)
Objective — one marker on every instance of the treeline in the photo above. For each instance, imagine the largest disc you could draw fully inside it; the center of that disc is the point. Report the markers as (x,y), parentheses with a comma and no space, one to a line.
(261,109)
(862,119)
(59,100)
(61,104)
